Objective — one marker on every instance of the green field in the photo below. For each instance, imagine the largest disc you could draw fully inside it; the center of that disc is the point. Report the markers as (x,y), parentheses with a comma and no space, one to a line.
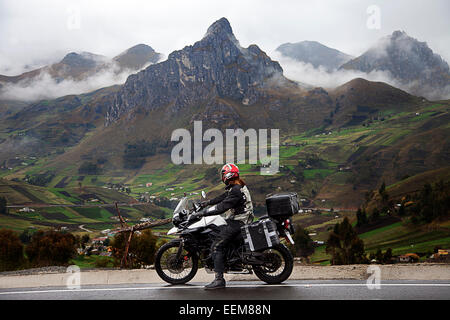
(338,164)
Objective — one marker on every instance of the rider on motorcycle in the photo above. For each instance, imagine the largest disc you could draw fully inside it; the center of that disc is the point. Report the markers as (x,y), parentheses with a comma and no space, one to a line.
(237,204)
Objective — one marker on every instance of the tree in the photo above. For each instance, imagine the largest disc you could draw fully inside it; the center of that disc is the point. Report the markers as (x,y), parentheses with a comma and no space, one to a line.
(387,256)
(361,217)
(135,153)
(11,251)
(344,245)
(141,251)
(384,195)
(3,205)
(303,244)
(84,240)
(401,210)
(379,256)
(41,179)
(146,247)
(375,215)
(89,168)
(25,236)
(51,248)
(382,188)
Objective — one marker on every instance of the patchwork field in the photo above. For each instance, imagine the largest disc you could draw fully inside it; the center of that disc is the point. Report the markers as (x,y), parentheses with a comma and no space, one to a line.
(330,167)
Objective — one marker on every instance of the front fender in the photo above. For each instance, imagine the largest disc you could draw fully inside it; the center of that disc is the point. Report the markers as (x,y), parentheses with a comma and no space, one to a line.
(174,230)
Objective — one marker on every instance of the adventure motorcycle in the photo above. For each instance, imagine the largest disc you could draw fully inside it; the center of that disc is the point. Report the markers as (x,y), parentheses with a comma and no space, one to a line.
(177,261)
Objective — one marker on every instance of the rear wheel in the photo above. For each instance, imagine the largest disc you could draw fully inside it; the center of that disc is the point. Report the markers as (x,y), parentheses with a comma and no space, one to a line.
(173,270)
(278,265)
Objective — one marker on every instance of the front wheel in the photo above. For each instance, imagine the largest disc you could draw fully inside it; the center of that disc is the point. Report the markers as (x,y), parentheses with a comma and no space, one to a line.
(173,270)
(278,265)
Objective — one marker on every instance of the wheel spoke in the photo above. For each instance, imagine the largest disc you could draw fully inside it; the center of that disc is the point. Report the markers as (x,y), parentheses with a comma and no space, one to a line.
(275,263)
(176,269)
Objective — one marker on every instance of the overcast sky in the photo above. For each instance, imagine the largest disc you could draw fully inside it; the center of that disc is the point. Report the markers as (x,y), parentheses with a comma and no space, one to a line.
(33,31)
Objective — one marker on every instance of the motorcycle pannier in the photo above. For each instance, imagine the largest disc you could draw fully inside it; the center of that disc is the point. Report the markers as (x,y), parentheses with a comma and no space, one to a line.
(281,205)
(260,235)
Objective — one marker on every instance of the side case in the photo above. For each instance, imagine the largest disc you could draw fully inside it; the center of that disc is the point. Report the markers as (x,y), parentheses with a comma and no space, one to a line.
(260,235)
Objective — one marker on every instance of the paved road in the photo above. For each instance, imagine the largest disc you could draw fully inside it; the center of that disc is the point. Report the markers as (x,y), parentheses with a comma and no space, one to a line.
(240,290)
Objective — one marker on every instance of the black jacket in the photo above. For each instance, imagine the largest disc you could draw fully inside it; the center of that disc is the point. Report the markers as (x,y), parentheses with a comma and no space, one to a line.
(237,199)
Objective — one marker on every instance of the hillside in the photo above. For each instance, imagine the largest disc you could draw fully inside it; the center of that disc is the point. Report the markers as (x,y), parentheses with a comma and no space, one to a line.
(81,65)
(76,72)
(337,160)
(336,146)
(69,205)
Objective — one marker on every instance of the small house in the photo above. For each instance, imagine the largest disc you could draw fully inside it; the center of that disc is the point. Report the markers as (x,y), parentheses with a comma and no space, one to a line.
(99,240)
(408,258)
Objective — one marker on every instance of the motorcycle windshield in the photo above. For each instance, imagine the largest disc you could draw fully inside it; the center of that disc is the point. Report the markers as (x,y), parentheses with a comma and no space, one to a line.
(181,206)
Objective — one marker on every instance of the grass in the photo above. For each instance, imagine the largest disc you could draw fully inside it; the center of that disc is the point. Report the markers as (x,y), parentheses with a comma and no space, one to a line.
(314,173)
(404,238)
(334,149)
(401,237)
(59,192)
(95,213)
(376,232)
(90,262)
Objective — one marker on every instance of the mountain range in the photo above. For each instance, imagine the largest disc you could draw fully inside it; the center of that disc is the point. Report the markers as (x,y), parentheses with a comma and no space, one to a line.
(80,66)
(315,53)
(213,68)
(411,62)
(407,62)
(375,130)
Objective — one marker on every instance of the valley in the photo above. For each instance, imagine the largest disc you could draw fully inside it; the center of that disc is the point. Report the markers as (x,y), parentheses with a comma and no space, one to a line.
(64,162)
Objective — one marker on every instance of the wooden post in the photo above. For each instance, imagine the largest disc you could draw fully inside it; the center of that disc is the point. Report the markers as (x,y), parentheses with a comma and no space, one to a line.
(124,227)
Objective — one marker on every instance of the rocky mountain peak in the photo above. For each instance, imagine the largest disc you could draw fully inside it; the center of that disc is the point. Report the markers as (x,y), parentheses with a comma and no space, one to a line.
(216,66)
(409,61)
(398,34)
(82,60)
(140,48)
(314,53)
(137,57)
(220,27)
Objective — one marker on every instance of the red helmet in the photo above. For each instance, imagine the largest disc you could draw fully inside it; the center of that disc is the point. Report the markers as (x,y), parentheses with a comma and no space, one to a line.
(229,171)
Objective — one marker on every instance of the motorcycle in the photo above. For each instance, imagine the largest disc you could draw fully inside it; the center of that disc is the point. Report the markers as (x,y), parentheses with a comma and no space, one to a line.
(177,261)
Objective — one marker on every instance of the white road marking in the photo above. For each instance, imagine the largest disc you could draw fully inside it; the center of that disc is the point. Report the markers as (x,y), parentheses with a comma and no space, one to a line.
(230,286)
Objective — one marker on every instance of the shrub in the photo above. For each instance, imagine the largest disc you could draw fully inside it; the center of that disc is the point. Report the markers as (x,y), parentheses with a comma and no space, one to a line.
(11,251)
(25,236)
(89,168)
(51,248)
(3,204)
(344,245)
(134,154)
(102,262)
(41,179)
(141,251)
(303,244)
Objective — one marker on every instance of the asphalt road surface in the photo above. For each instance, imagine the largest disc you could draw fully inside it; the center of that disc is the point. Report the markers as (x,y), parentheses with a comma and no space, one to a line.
(237,290)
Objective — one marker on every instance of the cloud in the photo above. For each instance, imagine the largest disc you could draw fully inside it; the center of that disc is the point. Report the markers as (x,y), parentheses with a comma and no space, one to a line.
(308,75)
(319,77)
(46,87)
(33,30)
